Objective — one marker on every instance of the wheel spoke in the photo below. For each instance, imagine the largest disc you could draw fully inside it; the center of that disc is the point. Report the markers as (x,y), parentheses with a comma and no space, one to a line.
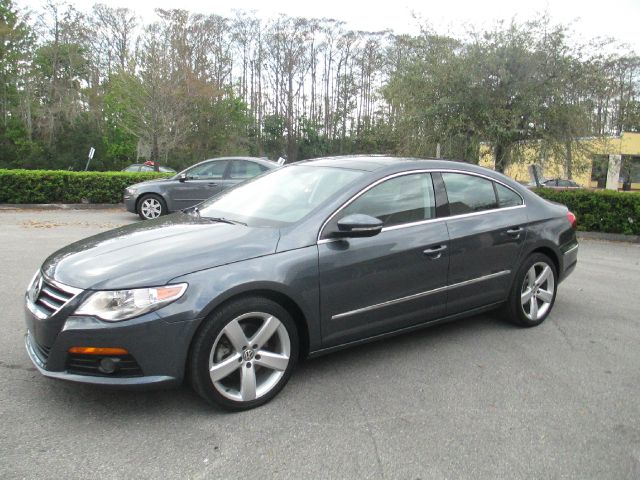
(271,360)
(236,336)
(267,330)
(545,296)
(531,277)
(248,384)
(223,369)
(544,275)
(525,297)
(533,311)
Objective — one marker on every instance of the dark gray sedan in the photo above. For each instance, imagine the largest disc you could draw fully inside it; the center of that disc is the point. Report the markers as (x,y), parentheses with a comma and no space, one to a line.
(153,198)
(304,260)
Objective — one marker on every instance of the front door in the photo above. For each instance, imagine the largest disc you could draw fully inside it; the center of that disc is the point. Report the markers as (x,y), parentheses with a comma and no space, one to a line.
(396,279)
(203,181)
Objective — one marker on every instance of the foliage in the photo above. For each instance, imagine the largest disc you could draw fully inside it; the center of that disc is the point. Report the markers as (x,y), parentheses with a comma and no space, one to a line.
(54,186)
(189,86)
(600,211)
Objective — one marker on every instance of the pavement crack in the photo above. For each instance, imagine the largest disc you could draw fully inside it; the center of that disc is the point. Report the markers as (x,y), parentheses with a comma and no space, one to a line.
(11,366)
(563,333)
(367,426)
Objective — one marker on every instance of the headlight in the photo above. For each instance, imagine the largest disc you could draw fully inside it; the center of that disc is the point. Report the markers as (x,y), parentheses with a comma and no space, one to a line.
(130,191)
(117,305)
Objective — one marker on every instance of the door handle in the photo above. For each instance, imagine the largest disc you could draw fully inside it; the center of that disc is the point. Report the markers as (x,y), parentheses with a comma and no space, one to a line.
(435,252)
(514,232)
(212,184)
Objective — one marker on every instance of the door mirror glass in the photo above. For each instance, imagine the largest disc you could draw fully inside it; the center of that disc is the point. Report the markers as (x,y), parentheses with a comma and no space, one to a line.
(358,225)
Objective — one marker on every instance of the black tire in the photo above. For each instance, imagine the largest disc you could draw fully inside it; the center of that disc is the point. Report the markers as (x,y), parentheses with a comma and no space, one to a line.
(151,206)
(520,310)
(211,347)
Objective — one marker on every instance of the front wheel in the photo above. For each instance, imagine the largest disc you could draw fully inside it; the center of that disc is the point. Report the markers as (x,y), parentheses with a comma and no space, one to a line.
(244,354)
(533,292)
(151,206)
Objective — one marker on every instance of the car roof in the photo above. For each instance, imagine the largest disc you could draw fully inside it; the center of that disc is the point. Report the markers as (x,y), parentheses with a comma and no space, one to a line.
(372,163)
(261,161)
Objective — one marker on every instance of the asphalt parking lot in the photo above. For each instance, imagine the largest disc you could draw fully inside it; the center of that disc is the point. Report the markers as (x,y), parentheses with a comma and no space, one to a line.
(475,399)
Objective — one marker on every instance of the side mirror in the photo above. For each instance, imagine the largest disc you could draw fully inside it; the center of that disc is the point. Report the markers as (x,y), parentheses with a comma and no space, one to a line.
(182,177)
(358,225)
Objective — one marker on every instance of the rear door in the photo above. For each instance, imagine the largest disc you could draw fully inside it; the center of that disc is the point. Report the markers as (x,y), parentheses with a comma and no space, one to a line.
(242,170)
(487,228)
(395,279)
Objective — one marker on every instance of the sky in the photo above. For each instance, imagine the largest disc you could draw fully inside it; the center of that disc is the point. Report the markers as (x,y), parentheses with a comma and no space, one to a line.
(619,19)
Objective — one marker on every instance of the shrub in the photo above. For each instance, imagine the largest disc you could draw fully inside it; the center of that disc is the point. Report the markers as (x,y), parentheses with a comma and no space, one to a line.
(600,211)
(60,186)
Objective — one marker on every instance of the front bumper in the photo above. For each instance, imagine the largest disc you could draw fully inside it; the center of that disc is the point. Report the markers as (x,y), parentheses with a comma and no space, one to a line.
(129,201)
(120,382)
(159,347)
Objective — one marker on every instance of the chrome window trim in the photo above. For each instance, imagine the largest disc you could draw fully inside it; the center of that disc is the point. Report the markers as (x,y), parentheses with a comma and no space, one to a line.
(419,295)
(321,241)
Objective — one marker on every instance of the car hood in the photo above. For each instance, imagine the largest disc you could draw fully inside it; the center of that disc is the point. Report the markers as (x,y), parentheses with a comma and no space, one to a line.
(155,251)
(155,181)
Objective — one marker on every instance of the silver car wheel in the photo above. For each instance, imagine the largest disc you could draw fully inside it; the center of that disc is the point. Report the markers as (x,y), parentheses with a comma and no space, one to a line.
(249,356)
(537,291)
(151,208)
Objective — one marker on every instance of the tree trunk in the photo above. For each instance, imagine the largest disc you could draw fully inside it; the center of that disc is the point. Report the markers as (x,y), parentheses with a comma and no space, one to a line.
(501,152)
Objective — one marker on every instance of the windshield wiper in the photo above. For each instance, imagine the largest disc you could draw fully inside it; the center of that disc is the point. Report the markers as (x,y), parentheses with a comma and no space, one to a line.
(224,220)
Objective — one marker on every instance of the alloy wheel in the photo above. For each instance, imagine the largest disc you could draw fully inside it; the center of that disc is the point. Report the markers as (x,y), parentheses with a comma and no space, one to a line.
(151,208)
(249,356)
(537,291)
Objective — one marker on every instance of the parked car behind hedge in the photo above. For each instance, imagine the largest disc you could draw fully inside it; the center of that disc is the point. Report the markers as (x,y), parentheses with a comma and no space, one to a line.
(192,186)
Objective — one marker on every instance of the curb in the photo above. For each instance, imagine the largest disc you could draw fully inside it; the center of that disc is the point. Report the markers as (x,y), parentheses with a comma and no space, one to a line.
(609,237)
(60,206)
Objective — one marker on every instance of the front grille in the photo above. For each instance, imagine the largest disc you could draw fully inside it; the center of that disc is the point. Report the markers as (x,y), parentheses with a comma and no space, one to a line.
(49,297)
(127,366)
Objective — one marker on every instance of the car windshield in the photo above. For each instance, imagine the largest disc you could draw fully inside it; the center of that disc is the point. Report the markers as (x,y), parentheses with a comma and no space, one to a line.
(280,197)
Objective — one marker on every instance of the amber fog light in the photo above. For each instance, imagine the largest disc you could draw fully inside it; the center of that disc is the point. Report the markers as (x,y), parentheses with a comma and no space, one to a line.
(99,351)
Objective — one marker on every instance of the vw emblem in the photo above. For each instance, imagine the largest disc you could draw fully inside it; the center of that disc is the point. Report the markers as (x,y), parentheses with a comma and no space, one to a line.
(35,291)
(247,355)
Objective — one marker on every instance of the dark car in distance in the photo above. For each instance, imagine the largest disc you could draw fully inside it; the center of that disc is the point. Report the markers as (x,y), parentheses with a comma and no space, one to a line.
(193,185)
(142,167)
(304,260)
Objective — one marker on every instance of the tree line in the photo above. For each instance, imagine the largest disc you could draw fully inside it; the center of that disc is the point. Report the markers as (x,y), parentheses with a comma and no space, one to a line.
(190,86)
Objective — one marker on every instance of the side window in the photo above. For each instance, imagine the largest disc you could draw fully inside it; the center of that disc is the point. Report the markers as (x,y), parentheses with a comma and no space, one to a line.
(210,170)
(405,199)
(241,169)
(507,197)
(468,193)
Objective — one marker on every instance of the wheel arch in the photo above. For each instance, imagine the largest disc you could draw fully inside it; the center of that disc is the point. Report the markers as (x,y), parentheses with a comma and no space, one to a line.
(275,295)
(549,252)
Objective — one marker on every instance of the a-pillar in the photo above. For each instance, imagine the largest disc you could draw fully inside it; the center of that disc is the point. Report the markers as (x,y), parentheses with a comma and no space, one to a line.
(613,173)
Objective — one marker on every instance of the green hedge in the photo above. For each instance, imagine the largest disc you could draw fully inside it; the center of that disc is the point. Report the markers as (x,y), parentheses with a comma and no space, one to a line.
(54,186)
(600,211)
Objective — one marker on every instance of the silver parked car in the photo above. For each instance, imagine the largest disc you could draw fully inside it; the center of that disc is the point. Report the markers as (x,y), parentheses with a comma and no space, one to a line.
(153,198)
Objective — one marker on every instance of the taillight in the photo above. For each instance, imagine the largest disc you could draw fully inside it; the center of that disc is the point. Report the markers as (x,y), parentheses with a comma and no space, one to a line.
(572,220)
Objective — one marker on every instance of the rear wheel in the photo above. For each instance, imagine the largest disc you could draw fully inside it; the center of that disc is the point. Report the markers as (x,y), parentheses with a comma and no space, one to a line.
(151,206)
(534,291)
(244,354)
